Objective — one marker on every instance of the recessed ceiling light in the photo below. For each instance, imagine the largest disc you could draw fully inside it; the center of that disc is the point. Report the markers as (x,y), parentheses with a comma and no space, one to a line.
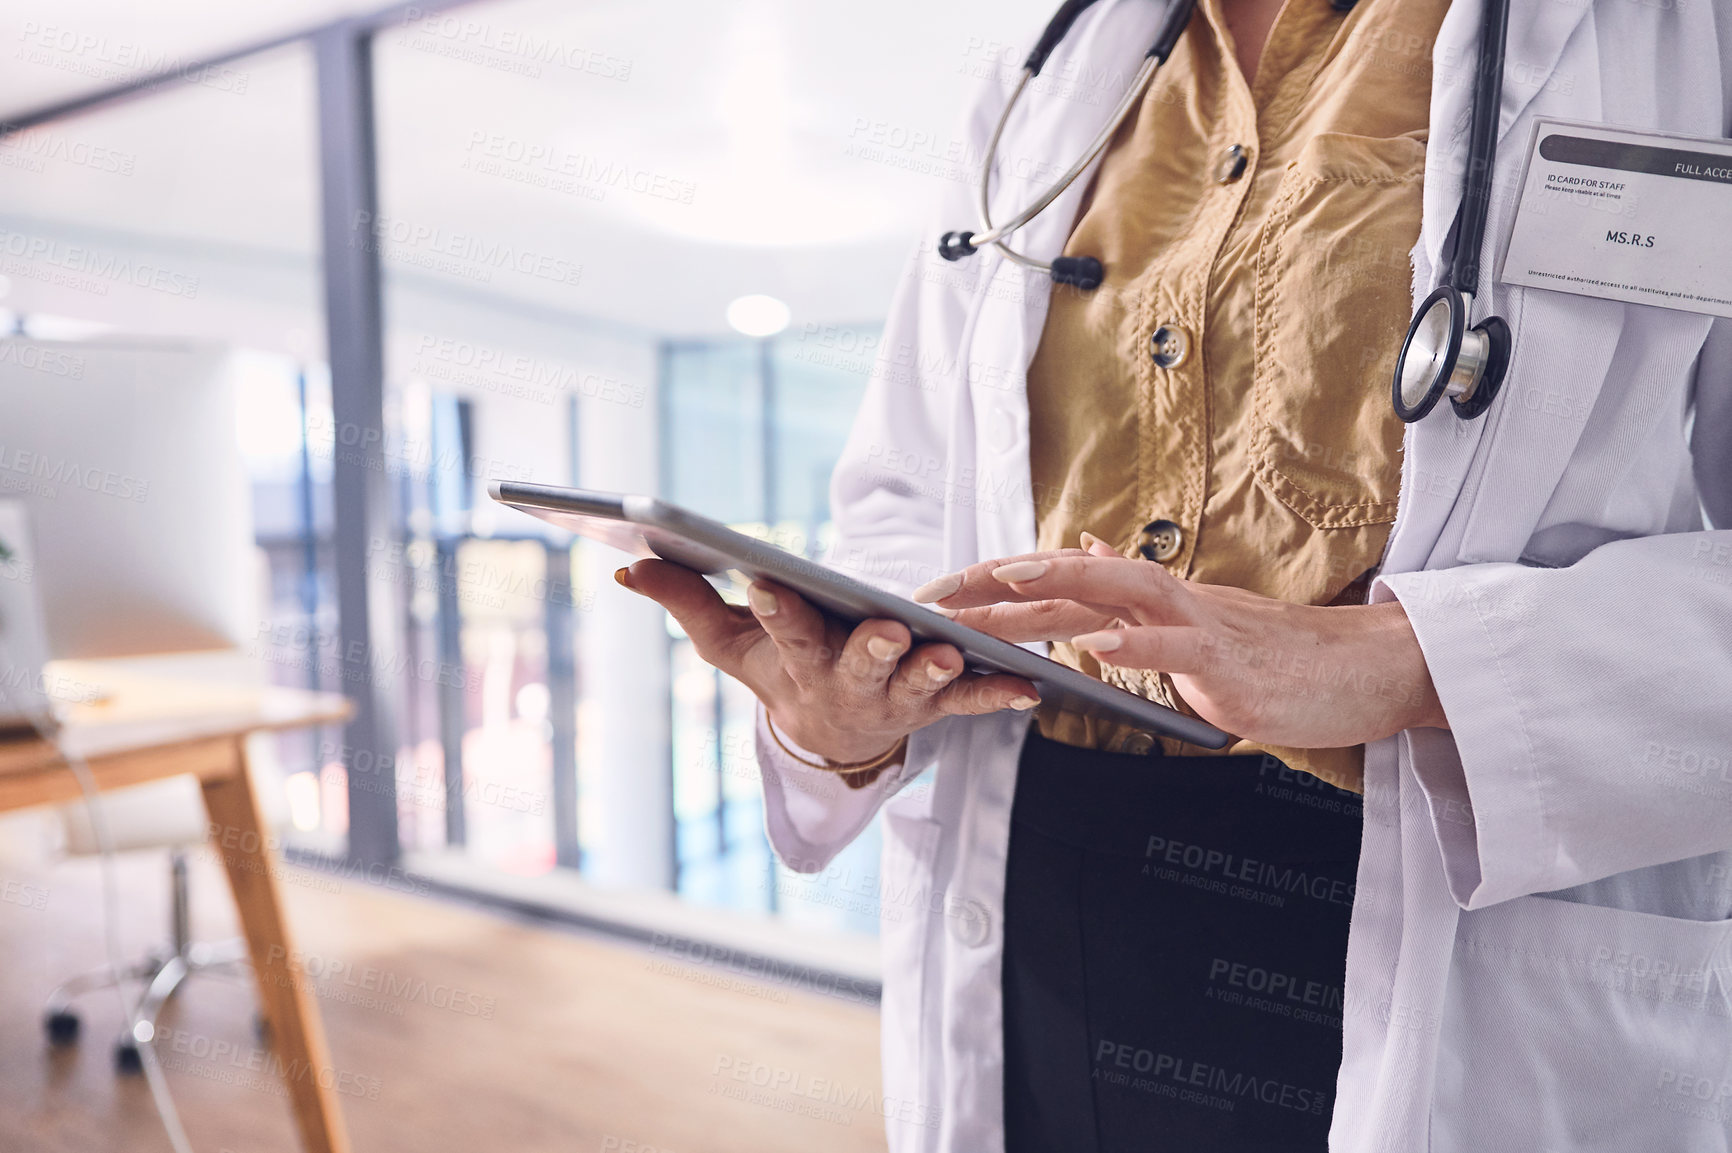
(758,315)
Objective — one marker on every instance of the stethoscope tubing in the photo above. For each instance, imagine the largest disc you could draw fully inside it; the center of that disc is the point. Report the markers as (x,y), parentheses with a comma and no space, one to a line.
(1463,274)
(994,235)
(1172,27)
(1471,383)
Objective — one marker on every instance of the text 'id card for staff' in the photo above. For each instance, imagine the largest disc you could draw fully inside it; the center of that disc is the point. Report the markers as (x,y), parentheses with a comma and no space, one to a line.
(1633,216)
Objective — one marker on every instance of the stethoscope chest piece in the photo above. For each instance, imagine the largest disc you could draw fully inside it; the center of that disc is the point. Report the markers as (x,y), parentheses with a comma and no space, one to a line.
(1442,357)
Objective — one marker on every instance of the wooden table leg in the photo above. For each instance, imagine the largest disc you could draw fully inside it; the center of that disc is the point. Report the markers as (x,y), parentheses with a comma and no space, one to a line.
(297,1036)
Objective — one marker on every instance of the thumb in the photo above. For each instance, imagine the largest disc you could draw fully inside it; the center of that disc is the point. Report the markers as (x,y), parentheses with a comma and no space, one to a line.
(721,632)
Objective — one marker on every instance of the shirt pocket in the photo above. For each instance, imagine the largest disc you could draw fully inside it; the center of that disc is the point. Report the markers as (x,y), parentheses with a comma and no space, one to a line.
(1333,293)
(1570,1026)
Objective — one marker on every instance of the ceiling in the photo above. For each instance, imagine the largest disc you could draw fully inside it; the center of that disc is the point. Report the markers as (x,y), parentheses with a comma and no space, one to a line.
(61,49)
(635,163)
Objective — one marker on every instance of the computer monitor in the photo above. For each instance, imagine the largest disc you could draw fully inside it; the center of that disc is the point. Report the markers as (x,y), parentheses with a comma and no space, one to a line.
(24,705)
(126,455)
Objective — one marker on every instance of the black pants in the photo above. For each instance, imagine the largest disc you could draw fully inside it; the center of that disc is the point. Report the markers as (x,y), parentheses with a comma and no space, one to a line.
(1174,946)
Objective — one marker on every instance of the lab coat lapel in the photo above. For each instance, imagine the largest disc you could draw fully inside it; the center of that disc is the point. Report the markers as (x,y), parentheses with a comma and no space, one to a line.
(1563,344)
(1563,349)
(1570,349)
(1438,461)
(1055,121)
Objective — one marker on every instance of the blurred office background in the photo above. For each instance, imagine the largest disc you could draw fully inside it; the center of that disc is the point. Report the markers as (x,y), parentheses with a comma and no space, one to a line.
(634,246)
(640,247)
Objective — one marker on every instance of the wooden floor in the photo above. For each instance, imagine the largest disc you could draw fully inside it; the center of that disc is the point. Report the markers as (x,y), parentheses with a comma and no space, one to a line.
(453,1030)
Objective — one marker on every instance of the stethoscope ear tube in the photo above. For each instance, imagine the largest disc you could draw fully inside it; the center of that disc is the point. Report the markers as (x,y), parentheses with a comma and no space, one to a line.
(1483,120)
(1082,272)
(1054,32)
(1178,19)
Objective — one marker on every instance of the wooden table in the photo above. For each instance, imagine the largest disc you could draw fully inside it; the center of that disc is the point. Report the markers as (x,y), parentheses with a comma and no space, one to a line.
(147,725)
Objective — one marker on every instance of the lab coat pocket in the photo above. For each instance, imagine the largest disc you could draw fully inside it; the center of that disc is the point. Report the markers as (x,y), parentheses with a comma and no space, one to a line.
(1332,297)
(1570,1026)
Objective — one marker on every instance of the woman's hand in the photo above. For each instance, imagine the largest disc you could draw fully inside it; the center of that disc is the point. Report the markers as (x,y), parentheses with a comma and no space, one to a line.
(847,695)
(1277,673)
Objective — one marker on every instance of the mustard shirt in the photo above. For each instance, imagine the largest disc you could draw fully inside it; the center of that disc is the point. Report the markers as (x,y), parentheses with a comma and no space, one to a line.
(1221,401)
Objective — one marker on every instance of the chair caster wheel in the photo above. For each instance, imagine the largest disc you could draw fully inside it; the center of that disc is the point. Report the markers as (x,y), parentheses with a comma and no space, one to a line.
(61,1026)
(127,1058)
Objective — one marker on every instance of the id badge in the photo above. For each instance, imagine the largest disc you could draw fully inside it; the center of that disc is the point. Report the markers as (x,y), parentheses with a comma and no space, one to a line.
(1640,217)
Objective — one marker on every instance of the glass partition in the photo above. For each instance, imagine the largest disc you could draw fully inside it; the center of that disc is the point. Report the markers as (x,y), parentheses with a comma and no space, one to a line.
(638,247)
(751,431)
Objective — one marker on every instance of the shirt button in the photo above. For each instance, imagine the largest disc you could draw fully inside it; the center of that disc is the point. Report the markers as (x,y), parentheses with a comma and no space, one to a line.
(1160,541)
(1232,164)
(1138,744)
(1170,345)
(970,923)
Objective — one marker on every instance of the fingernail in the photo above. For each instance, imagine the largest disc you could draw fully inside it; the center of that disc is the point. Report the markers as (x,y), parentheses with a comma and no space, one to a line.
(763,601)
(1023,704)
(1104,641)
(937,588)
(939,675)
(623,576)
(1095,546)
(1019,570)
(882,648)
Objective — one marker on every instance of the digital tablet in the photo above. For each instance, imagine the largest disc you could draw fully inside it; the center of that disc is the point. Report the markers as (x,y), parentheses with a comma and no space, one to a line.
(646,527)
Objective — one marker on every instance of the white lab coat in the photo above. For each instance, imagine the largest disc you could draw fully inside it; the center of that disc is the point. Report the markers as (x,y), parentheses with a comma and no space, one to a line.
(1540,955)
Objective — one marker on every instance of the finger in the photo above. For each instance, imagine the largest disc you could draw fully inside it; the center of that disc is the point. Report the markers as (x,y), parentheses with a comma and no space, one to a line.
(923,672)
(942,588)
(1165,649)
(1095,546)
(871,654)
(1139,589)
(801,632)
(1036,620)
(975,694)
(953,590)
(720,632)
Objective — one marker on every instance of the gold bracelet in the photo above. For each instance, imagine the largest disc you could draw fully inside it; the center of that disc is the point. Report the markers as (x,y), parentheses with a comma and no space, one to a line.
(876,762)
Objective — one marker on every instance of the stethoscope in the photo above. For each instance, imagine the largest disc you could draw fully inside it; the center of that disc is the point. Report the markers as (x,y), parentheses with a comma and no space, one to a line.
(1442,355)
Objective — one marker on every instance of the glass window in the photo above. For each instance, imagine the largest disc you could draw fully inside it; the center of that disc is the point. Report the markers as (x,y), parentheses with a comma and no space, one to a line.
(752,430)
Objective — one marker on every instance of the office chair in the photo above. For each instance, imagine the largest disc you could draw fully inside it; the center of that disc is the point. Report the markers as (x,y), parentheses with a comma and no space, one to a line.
(162,814)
